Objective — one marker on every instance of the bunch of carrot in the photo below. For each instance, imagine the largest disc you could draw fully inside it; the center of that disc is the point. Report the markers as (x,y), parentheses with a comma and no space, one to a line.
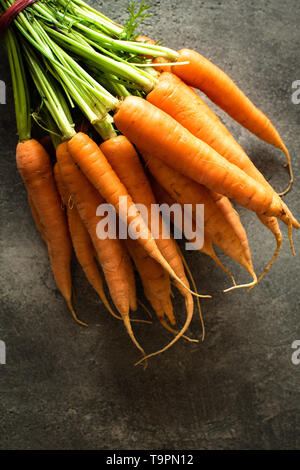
(160,143)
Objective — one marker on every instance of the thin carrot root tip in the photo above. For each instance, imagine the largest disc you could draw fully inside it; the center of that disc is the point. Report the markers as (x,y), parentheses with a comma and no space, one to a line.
(169,328)
(288,164)
(195,288)
(290,230)
(242,286)
(140,320)
(127,323)
(226,270)
(283,193)
(75,316)
(190,311)
(267,268)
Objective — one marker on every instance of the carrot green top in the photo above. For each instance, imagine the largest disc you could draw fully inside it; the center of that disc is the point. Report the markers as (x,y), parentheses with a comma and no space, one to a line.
(20,88)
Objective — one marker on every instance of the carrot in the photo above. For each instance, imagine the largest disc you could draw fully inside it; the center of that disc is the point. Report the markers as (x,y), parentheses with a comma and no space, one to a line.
(201,73)
(163,197)
(81,241)
(95,166)
(35,168)
(155,281)
(122,155)
(110,252)
(156,132)
(187,191)
(131,279)
(173,96)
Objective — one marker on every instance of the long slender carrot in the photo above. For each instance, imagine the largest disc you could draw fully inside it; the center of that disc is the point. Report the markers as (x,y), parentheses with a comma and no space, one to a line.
(109,251)
(187,191)
(81,240)
(163,197)
(201,73)
(35,168)
(95,166)
(179,100)
(122,155)
(156,132)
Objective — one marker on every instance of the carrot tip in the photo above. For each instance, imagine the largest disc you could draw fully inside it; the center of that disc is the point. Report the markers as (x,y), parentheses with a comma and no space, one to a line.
(240,286)
(127,323)
(140,320)
(283,193)
(145,308)
(75,316)
(267,268)
(288,164)
(187,338)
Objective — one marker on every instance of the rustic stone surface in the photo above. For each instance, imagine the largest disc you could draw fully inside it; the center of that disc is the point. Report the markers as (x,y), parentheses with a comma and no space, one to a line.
(69,387)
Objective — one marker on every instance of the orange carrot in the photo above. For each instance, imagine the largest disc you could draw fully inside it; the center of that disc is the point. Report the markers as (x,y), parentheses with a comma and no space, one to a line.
(156,132)
(218,86)
(35,168)
(187,191)
(173,96)
(95,166)
(110,252)
(122,155)
(81,241)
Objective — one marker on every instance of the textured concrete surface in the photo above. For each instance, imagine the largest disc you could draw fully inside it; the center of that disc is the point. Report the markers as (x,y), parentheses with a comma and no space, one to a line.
(68,387)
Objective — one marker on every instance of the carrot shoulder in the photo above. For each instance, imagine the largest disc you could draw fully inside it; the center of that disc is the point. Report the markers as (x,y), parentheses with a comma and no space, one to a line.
(35,168)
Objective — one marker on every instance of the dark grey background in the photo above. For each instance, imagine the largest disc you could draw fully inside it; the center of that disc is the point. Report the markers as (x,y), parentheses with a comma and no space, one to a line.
(69,387)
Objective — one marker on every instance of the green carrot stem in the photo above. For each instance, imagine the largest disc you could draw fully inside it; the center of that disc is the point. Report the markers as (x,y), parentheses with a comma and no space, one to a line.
(106,64)
(105,128)
(20,86)
(50,94)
